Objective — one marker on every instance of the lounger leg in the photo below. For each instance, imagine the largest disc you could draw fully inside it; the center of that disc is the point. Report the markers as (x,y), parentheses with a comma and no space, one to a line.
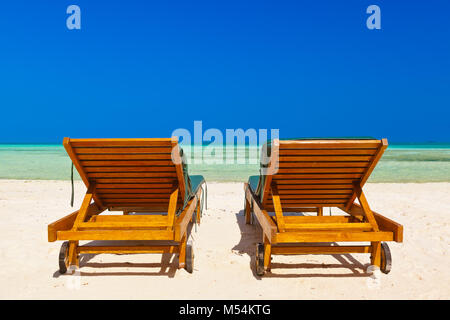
(320,211)
(375,258)
(73,255)
(182,253)
(198,214)
(247,212)
(267,254)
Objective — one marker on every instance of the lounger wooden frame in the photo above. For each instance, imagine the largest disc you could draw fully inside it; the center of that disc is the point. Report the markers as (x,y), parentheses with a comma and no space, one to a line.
(308,175)
(128,175)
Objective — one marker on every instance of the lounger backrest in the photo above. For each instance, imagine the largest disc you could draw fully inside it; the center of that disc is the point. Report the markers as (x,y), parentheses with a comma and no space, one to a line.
(129,173)
(321,173)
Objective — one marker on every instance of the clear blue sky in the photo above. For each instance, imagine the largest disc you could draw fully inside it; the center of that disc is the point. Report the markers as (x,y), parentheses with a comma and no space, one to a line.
(145,68)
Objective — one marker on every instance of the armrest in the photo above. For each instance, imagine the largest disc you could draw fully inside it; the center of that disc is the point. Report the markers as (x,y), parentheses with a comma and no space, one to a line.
(66,223)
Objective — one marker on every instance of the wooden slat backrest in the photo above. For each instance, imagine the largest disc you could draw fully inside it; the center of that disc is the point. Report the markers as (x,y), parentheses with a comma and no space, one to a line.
(322,173)
(129,173)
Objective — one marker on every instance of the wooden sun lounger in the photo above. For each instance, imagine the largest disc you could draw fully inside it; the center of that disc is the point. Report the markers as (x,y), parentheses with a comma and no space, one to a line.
(306,176)
(131,176)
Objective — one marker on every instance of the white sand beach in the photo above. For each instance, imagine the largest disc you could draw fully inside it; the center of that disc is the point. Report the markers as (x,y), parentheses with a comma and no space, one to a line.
(224,252)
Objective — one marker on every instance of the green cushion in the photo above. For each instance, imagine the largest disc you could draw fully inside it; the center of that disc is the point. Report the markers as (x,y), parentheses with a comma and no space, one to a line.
(253,182)
(196,181)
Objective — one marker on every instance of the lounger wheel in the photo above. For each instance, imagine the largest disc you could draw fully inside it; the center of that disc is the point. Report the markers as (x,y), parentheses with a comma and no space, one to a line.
(386,258)
(189,266)
(63,258)
(259,262)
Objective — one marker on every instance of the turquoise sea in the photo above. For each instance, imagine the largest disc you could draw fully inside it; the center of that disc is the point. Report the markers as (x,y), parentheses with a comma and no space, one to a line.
(400,163)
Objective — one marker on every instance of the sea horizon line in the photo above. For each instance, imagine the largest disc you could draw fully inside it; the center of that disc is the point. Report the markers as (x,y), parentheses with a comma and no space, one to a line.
(444,145)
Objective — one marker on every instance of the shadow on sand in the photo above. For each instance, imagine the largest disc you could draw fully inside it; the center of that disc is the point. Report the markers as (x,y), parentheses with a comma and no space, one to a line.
(252,234)
(168,265)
